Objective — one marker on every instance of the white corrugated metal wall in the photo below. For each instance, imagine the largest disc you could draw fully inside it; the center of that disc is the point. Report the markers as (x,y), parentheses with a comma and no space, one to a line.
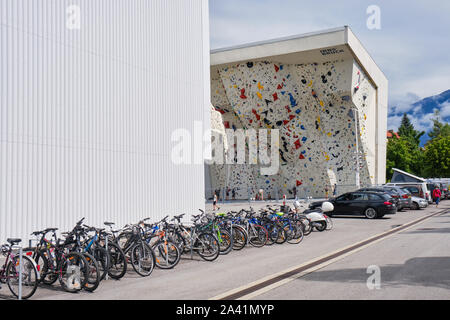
(86,115)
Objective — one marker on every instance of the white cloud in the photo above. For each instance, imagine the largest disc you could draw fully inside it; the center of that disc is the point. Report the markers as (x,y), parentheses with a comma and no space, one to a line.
(411,47)
(420,122)
(404,103)
(417,109)
(430,83)
(445,109)
(394,122)
(423,122)
(234,31)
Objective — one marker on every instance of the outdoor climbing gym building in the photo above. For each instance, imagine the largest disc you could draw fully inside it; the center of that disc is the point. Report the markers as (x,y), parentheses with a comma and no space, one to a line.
(327,97)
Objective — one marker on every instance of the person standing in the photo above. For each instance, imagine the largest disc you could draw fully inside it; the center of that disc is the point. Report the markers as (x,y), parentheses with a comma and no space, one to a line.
(437,195)
(215,207)
(233,194)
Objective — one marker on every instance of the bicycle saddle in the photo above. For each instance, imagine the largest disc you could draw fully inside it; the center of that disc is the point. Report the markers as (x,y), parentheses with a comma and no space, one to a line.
(109,223)
(13,241)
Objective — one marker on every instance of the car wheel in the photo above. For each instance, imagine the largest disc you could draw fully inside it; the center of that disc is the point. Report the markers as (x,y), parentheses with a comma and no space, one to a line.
(370,213)
(415,206)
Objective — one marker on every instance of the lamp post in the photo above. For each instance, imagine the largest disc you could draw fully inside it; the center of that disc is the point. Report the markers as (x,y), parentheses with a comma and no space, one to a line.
(356,117)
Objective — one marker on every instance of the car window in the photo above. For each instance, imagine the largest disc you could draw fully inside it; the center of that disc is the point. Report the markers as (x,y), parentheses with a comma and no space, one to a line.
(344,197)
(413,189)
(360,197)
(374,197)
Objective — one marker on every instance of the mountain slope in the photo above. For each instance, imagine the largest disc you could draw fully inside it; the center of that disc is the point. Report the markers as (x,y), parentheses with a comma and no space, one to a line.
(421,112)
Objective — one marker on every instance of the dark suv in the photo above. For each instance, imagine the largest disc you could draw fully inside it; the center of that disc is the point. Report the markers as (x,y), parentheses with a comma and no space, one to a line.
(372,205)
(392,193)
(405,200)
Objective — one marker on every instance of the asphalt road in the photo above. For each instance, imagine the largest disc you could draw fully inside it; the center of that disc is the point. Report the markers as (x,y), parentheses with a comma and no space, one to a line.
(413,264)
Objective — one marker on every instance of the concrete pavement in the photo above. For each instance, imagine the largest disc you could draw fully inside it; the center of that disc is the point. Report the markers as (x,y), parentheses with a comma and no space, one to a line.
(197,279)
(414,264)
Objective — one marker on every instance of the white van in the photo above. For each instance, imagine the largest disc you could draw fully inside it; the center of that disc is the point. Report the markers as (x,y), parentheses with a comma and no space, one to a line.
(418,189)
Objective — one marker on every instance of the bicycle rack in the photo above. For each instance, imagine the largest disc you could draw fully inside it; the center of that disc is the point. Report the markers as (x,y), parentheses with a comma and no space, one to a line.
(192,247)
(20,269)
(106,246)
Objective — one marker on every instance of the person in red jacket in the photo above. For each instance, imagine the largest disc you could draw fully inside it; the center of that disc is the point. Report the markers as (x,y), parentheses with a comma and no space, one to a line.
(437,195)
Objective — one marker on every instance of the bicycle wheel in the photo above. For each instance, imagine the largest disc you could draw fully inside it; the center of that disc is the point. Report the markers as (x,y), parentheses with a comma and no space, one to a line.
(142,259)
(167,254)
(225,242)
(282,237)
(207,246)
(298,235)
(40,257)
(73,272)
(273,233)
(307,226)
(102,256)
(123,240)
(30,277)
(118,262)
(239,237)
(93,273)
(257,236)
(180,241)
(48,274)
(290,232)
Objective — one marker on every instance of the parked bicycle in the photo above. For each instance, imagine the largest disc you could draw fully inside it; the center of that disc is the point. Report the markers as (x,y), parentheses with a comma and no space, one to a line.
(194,238)
(16,273)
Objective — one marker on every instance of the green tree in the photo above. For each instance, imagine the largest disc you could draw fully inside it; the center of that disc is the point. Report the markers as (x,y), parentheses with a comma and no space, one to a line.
(407,131)
(404,154)
(398,156)
(437,158)
(406,127)
(439,128)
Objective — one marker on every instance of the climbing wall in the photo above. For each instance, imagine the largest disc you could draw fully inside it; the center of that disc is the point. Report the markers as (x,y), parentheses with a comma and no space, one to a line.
(364,98)
(311,105)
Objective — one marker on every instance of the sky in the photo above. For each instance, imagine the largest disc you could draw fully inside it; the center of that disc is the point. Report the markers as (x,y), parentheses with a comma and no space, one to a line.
(412,46)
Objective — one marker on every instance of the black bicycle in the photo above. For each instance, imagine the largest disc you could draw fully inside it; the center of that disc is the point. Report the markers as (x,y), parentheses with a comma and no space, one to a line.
(131,241)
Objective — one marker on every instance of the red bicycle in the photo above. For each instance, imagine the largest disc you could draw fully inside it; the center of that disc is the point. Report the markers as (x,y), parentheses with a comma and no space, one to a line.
(22,277)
